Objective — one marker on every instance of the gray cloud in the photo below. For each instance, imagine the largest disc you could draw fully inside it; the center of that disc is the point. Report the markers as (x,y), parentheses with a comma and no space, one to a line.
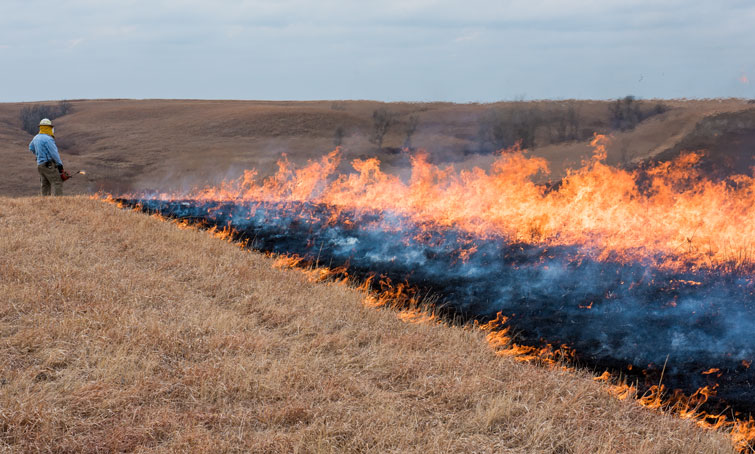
(477,50)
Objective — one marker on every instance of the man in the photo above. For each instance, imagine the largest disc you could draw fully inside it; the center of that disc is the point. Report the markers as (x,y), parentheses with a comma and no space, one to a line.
(49,164)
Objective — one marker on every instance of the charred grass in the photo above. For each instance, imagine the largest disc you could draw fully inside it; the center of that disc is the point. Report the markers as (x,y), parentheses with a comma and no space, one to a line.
(121,333)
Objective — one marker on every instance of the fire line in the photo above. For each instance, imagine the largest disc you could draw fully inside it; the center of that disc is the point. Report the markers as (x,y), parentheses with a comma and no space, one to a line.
(648,273)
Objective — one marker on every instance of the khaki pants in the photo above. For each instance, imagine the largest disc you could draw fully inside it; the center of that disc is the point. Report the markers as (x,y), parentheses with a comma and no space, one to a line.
(49,176)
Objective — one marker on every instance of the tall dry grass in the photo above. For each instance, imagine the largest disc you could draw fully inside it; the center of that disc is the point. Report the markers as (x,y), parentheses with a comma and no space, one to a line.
(120,333)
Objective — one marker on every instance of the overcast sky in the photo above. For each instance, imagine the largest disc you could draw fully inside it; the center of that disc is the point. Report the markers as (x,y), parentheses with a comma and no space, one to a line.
(390,50)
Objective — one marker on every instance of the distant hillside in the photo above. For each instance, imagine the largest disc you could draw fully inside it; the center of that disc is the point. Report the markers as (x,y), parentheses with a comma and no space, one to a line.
(726,141)
(168,144)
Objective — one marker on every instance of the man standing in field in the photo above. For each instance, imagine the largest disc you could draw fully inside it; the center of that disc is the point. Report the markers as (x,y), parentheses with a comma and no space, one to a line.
(49,164)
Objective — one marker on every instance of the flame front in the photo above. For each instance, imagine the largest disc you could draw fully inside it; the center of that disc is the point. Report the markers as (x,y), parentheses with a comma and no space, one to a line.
(667,216)
(615,267)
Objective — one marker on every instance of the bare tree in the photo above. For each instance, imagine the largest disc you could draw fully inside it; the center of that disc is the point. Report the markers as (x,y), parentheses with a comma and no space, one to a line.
(411,128)
(64,108)
(625,113)
(504,127)
(563,123)
(382,120)
(572,123)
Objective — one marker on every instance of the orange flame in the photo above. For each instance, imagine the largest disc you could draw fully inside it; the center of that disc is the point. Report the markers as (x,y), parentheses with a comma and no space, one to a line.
(682,220)
(417,316)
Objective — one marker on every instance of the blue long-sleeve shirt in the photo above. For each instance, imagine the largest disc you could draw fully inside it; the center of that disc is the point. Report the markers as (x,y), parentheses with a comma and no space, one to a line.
(43,146)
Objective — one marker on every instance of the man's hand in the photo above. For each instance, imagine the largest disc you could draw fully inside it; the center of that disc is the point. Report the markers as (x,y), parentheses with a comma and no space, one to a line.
(60,168)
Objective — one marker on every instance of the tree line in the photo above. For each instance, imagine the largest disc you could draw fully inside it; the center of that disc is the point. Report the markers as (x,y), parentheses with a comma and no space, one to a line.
(30,116)
(521,123)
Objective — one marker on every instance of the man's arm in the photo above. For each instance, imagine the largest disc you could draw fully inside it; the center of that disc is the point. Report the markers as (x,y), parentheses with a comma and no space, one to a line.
(52,152)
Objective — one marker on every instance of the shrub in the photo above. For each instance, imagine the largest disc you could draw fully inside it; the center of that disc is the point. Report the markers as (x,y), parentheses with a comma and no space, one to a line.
(626,113)
(338,136)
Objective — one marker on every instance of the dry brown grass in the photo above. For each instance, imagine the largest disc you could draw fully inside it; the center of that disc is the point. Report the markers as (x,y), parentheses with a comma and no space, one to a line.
(121,333)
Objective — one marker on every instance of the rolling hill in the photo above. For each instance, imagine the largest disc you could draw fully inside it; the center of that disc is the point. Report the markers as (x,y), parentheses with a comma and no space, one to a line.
(171,144)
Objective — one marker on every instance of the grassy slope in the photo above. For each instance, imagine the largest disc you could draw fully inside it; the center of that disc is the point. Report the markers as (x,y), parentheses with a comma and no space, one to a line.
(119,332)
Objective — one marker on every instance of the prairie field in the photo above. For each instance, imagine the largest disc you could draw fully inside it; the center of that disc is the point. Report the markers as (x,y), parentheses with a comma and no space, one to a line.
(123,333)
(120,332)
